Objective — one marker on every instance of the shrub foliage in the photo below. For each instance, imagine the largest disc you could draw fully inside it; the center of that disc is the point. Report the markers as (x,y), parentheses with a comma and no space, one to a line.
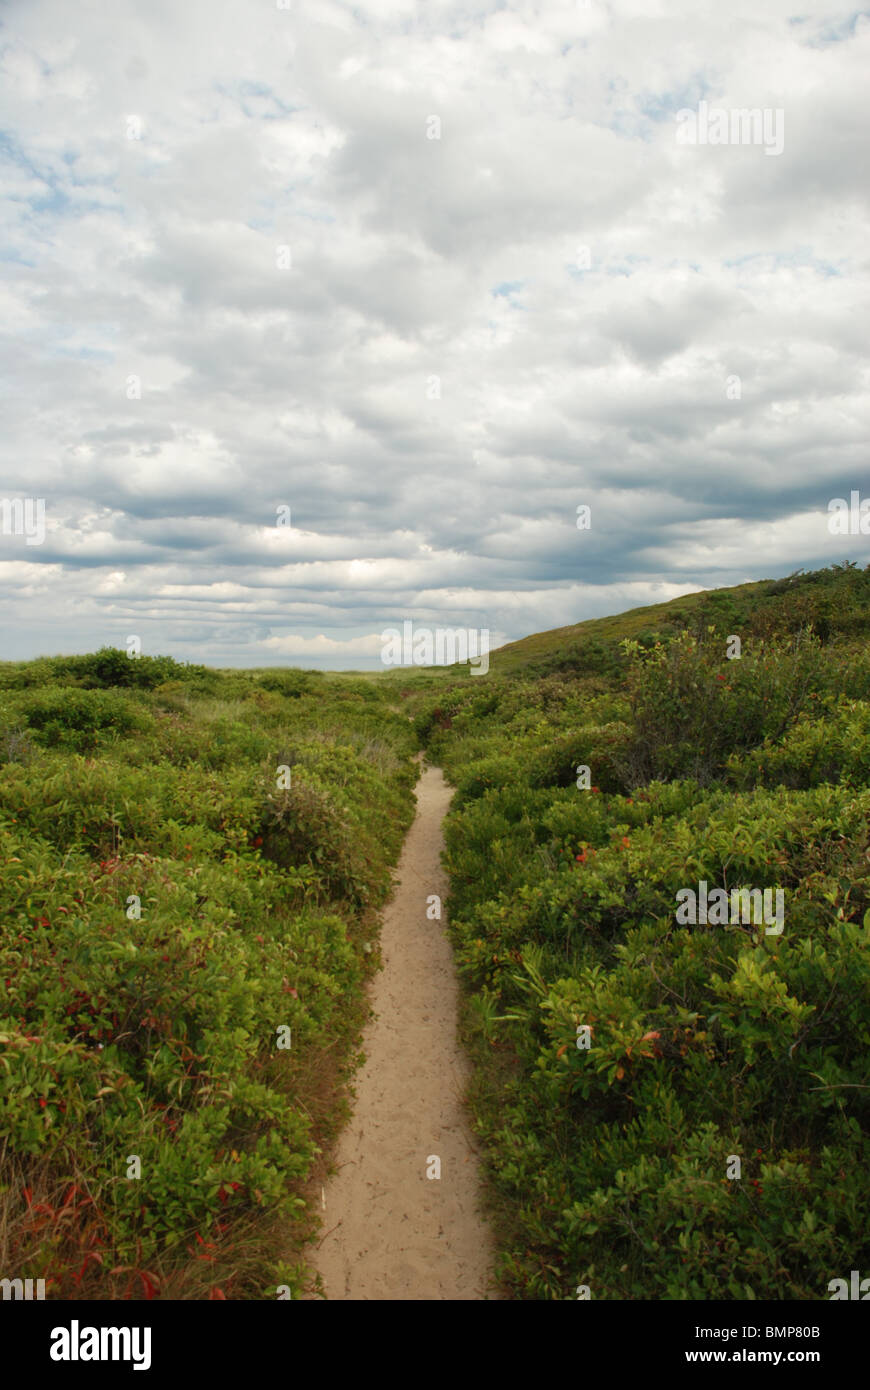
(166,910)
(609,1164)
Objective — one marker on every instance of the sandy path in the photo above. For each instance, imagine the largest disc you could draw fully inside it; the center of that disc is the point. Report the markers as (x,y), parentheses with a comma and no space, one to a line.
(391,1231)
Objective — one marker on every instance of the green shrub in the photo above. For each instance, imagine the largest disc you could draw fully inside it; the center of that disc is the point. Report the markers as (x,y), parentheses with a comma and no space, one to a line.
(79,719)
(155,1034)
(291,684)
(692,708)
(609,1165)
(111,667)
(828,746)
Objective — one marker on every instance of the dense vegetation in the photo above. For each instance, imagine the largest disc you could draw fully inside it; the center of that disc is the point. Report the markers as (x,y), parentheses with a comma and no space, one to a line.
(611,1165)
(169,905)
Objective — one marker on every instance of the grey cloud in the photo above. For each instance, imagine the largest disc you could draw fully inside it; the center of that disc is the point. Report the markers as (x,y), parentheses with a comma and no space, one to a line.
(310,386)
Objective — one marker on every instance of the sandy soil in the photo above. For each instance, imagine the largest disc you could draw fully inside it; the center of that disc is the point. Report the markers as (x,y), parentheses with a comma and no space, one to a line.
(391,1232)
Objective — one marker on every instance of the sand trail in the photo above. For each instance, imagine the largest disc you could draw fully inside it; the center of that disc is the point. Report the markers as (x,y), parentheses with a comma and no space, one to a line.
(391,1231)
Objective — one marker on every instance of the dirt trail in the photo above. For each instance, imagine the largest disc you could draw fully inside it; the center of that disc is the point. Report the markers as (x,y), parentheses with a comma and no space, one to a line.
(391,1231)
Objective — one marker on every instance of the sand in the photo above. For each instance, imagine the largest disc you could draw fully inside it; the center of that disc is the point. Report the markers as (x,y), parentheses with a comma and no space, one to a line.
(391,1231)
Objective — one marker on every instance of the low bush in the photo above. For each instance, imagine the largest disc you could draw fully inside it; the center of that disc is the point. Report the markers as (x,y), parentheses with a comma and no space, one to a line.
(79,719)
(611,1154)
(182,967)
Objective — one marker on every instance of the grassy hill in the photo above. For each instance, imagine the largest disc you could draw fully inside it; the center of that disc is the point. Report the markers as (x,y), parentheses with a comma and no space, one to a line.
(669,1107)
(784,604)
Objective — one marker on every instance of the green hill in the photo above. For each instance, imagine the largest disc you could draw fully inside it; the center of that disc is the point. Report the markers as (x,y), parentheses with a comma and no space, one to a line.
(670,1105)
(832,600)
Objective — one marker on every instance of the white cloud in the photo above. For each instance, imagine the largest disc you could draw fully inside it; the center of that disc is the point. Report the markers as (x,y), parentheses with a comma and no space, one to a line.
(418,263)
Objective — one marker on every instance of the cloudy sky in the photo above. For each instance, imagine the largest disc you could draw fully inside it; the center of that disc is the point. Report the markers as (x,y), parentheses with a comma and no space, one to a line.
(430,275)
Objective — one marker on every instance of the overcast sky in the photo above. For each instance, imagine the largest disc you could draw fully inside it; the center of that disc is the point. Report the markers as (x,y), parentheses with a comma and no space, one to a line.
(432,276)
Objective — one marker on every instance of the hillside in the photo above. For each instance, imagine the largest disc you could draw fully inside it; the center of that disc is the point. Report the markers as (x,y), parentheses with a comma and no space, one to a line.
(782,603)
(660,897)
